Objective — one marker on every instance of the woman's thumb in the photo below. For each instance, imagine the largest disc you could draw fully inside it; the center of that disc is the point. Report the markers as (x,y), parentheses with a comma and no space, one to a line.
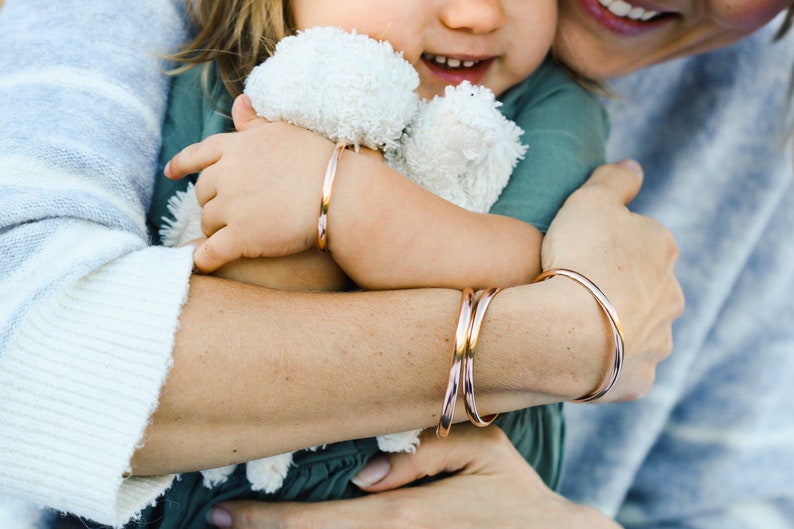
(624,178)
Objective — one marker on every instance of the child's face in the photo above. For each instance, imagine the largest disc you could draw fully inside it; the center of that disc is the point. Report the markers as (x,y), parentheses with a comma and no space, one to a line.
(495,43)
(608,38)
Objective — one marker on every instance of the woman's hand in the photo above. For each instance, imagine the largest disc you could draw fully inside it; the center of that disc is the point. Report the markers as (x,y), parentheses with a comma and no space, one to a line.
(491,486)
(631,258)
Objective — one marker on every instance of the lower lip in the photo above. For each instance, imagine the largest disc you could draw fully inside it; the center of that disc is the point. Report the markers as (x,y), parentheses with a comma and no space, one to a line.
(616,24)
(474,75)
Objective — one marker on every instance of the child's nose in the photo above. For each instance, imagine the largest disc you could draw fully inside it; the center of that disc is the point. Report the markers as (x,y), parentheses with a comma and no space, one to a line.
(477,16)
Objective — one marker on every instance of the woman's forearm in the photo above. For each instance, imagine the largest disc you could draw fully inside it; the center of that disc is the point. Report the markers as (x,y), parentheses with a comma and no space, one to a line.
(259,372)
(248,381)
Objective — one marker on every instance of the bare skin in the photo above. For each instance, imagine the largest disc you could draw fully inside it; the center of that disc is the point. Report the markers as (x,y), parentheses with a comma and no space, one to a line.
(376,216)
(484,465)
(366,356)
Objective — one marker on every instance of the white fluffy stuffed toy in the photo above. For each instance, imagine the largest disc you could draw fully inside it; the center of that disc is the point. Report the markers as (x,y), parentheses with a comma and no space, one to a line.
(353,89)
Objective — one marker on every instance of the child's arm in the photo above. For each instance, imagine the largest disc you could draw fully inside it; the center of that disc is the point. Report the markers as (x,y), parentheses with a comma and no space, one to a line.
(305,271)
(383,230)
(389,232)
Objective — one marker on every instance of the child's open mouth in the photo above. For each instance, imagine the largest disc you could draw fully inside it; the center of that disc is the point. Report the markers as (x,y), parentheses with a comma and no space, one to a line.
(449,62)
(455,70)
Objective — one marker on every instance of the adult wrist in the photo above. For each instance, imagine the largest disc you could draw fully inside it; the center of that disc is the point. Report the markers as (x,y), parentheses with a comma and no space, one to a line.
(547,341)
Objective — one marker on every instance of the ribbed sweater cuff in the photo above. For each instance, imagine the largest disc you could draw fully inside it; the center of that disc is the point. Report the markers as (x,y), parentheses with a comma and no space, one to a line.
(81,381)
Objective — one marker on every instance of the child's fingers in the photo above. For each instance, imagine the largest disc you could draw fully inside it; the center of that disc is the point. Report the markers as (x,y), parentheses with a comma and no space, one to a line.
(216,251)
(205,189)
(244,115)
(194,158)
(212,218)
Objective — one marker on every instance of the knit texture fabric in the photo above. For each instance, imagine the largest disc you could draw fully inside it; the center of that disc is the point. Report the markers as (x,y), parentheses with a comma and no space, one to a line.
(712,445)
(88,310)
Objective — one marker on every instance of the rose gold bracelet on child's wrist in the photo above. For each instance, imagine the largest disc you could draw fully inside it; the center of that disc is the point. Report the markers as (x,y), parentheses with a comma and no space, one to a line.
(325,202)
(617,331)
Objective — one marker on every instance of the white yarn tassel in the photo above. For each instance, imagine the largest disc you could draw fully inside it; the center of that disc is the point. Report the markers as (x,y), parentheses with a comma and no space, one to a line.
(268,474)
(184,225)
(399,442)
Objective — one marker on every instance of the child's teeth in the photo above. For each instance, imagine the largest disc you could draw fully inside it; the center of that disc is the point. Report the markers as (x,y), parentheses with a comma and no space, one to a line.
(449,62)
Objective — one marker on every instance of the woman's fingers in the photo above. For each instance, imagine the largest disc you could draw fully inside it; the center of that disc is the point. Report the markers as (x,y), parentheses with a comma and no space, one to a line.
(467,451)
(490,485)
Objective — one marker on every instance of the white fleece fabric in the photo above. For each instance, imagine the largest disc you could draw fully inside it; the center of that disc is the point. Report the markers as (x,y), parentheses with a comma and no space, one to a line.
(88,310)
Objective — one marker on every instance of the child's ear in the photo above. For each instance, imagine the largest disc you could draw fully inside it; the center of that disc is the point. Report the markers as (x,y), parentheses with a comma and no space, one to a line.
(244,115)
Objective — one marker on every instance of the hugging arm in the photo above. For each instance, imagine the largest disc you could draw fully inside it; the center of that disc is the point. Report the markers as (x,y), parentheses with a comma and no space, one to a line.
(316,368)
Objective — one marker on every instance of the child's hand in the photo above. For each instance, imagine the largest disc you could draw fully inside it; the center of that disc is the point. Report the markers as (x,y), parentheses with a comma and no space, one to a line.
(259,189)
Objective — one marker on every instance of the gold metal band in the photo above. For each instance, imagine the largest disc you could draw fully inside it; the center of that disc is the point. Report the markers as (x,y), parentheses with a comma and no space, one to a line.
(328,186)
(468,360)
(461,340)
(617,331)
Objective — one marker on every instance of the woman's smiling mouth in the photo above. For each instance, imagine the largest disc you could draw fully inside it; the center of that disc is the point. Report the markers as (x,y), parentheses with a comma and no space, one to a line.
(624,9)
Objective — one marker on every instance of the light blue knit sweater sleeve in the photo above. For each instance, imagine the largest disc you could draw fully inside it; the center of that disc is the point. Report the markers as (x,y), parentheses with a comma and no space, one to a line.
(712,445)
(88,309)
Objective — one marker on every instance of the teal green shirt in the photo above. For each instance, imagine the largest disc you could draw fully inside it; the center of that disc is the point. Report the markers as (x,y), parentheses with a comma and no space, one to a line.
(565,130)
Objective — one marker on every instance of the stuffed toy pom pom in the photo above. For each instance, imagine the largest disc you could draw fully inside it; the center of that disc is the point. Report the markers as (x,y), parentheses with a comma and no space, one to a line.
(184,224)
(346,87)
(461,147)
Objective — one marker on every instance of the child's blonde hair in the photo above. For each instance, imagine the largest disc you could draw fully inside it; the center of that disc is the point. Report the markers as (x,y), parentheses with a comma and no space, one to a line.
(236,35)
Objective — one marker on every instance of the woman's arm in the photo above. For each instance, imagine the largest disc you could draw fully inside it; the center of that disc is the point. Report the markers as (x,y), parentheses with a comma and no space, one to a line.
(316,368)
(88,310)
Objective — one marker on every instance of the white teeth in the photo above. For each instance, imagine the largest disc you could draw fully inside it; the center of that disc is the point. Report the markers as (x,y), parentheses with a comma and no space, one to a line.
(450,62)
(624,9)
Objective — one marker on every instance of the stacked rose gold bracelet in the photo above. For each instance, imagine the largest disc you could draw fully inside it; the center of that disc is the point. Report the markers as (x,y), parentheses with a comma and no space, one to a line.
(470,319)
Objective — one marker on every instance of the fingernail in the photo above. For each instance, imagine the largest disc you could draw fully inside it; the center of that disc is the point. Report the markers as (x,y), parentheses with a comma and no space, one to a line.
(167,168)
(632,165)
(219,517)
(373,472)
